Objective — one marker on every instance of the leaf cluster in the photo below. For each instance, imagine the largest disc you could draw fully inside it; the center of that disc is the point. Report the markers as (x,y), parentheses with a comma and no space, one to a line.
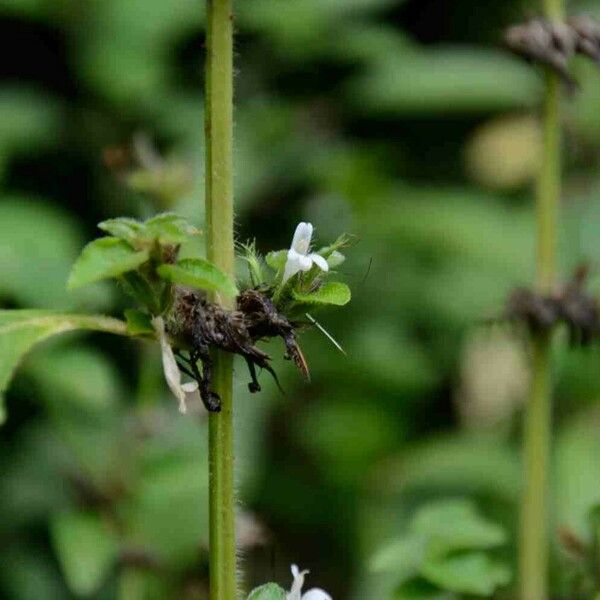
(446,551)
(143,257)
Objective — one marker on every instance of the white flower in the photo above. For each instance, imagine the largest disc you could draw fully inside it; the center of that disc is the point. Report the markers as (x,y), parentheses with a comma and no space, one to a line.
(298,258)
(170,367)
(313,594)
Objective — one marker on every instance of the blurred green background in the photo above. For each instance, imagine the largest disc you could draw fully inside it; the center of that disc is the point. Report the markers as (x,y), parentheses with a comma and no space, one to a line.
(403,122)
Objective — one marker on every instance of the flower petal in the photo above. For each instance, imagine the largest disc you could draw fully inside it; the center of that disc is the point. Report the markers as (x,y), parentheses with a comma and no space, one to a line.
(295,591)
(305,263)
(170,367)
(292,265)
(316,594)
(319,261)
(302,238)
(190,387)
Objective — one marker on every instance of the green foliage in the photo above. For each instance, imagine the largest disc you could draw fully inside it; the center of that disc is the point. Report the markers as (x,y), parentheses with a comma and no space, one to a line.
(131,231)
(268,591)
(86,550)
(276,260)
(20,330)
(38,244)
(138,322)
(198,273)
(446,547)
(468,573)
(105,258)
(458,80)
(332,292)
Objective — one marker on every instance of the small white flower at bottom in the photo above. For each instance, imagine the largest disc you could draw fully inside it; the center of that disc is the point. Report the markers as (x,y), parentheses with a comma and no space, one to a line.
(295,592)
(298,257)
(170,367)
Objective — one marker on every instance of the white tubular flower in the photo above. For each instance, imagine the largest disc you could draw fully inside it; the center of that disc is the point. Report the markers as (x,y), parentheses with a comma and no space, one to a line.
(296,592)
(298,258)
(170,367)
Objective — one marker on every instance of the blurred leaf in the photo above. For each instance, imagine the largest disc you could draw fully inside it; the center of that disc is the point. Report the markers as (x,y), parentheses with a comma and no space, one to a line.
(125,57)
(328,431)
(460,464)
(27,573)
(138,322)
(331,292)
(27,121)
(577,476)
(303,27)
(449,80)
(105,258)
(77,377)
(268,591)
(402,557)
(86,550)
(20,330)
(456,525)
(199,273)
(468,573)
(168,512)
(38,245)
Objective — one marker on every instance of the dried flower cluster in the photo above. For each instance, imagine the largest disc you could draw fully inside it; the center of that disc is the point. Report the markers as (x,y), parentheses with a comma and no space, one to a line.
(571,305)
(554,43)
(197,325)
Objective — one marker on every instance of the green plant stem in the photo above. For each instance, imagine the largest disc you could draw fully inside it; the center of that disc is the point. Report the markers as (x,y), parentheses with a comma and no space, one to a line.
(534,546)
(220,250)
(537,431)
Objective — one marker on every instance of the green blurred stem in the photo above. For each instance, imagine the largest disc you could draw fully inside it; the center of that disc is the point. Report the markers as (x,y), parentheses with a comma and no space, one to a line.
(534,543)
(535,507)
(220,250)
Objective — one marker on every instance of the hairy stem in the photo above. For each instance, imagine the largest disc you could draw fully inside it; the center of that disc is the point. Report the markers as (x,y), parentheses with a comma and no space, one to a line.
(534,535)
(220,250)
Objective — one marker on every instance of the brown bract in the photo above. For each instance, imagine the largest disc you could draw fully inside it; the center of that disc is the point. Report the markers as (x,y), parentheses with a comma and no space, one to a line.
(198,326)
(551,43)
(571,305)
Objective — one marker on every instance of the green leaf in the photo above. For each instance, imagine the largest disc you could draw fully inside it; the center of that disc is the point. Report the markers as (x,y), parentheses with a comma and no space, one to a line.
(76,376)
(169,228)
(199,273)
(139,288)
(138,322)
(332,292)
(455,525)
(276,260)
(20,330)
(130,230)
(86,550)
(472,573)
(105,258)
(268,591)
(448,80)
(38,244)
(402,557)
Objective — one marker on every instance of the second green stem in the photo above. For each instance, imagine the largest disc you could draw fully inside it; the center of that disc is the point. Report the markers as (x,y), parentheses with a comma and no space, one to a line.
(537,431)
